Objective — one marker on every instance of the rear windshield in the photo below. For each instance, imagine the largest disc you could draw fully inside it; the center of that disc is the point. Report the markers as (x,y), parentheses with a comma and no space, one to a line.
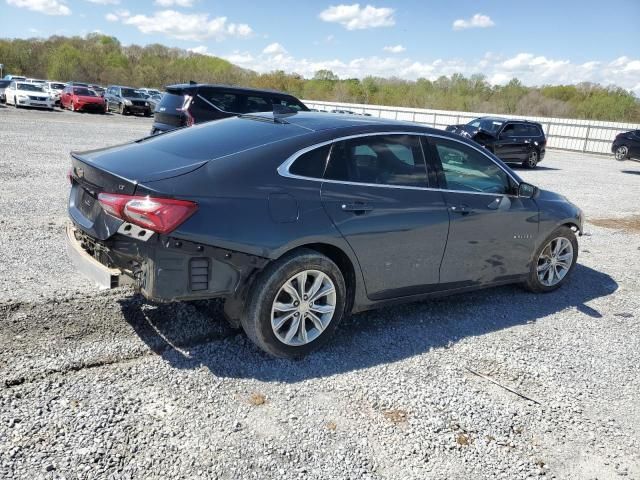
(84,92)
(4,83)
(131,93)
(171,103)
(223,137)
(58,86)
(290,102)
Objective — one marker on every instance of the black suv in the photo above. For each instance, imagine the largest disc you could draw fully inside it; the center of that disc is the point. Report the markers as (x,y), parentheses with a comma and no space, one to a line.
(627,145)
(186,104)
(125,100)
(513,141)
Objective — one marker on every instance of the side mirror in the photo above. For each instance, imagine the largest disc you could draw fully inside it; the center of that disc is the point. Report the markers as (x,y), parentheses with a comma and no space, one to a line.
(526,190)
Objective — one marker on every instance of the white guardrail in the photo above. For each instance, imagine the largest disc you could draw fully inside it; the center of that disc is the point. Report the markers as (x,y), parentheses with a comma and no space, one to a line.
(562,133)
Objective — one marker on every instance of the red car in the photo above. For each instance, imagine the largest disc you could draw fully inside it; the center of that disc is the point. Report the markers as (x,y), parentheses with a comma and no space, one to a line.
(81,99)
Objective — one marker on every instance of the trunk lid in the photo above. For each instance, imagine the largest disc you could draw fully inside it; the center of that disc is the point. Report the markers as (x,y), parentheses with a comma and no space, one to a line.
(116,170)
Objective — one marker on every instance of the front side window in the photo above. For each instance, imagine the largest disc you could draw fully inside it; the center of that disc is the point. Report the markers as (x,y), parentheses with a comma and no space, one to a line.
(466,169)
(312,163)
(381,159)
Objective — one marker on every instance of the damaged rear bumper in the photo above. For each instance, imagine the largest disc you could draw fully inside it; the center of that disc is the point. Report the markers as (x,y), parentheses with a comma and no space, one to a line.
(162,268)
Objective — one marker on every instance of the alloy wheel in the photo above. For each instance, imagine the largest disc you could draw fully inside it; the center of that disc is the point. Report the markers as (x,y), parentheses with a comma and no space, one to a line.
(303,307)
(532,161)
(622,152)
(555,261)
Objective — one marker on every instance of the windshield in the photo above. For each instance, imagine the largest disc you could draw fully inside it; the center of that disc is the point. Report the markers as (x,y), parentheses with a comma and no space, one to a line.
(85,92)
(131,93)
(57,86)
(30,87)
(4,83)
(485,124)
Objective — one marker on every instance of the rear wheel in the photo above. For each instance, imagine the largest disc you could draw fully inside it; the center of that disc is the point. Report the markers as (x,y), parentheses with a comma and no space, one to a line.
(554,260)
(532,160)
(295,304)
(622,153)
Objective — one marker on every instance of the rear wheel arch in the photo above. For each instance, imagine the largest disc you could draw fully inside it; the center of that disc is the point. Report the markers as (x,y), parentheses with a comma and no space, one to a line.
(337,255)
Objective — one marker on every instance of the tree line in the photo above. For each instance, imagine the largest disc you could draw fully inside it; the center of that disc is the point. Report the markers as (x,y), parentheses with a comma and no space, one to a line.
(102,59)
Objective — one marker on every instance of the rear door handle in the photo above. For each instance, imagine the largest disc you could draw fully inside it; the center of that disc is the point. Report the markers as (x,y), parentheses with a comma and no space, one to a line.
(461,209)
(356,207)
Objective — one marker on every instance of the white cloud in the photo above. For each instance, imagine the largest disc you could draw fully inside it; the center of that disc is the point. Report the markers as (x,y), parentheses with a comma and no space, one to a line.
(171,3)
(48,7)
(353,17)
(394,49)
(105,2)
(530,69)
(195,27)
(201,49)
(120,14)
(477,21)
(274,49)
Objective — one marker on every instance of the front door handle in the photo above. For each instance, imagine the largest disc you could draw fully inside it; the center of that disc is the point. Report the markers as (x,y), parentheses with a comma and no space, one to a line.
(356,207)
(461,209)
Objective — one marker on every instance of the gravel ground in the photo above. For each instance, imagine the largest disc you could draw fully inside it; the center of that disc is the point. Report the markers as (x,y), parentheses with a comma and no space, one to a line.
(101,385)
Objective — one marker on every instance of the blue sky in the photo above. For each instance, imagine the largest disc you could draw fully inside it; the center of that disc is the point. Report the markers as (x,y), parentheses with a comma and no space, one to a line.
(539,42)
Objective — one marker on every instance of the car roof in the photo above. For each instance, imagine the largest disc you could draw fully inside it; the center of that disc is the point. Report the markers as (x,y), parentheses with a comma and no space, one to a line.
(187,86)
(318,121)
(502,119)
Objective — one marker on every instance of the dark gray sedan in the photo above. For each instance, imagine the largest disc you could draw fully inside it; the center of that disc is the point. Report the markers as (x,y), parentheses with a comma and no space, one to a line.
(298,219)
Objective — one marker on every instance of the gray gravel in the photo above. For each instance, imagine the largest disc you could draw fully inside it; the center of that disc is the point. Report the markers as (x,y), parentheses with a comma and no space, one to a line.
(100,385)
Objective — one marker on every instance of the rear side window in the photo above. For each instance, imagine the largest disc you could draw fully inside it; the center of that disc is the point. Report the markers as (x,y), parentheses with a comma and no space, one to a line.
(255,103)
(516,130)
(227,102)
(381,159)
(534,130)
(312,163)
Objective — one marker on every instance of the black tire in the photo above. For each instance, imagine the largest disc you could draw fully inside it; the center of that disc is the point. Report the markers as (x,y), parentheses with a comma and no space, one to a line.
(256,317)
(622,153)
(532,159)
(533,283)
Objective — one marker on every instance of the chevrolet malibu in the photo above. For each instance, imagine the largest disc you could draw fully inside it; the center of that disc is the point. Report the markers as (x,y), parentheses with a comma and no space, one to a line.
(298,219)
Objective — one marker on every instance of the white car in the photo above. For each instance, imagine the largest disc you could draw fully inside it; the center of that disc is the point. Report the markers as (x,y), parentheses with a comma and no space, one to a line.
(55,90)
(21,94)
(150,91)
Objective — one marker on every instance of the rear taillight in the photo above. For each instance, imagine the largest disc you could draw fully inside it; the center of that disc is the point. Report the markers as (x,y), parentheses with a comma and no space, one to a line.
(189,120)
(161,215)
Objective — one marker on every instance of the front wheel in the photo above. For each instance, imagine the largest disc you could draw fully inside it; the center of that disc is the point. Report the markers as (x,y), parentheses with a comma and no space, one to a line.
(295,304)
(622,153)
(554,260)
(532,160)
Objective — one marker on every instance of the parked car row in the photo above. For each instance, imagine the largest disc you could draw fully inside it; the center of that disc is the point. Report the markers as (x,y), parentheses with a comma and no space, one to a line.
(518,142)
